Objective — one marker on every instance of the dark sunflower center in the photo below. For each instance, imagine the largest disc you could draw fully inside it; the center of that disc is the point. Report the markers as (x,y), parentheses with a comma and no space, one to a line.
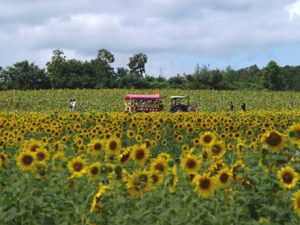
(287,178)
(191,163)
(224,178)
(298,202)
(94,171)
(40,156)
(34,148)
(204,184)
(125,157)
(27,160)
(216,149)
(160,167)
(97,146)
(113,145)
(274,139)
(140,154)
(192,176)
(77,166)
(148,144)
(2,157)
(154,178)
(207,139)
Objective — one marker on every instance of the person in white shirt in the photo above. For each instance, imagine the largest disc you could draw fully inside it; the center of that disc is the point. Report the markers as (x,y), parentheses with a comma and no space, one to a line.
(74,105)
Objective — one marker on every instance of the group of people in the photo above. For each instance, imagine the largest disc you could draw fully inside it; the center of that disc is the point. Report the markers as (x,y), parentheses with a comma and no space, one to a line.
(231,106)
(72,105)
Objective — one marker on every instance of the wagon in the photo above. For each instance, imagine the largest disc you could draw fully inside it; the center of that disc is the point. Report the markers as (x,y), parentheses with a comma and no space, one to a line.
(143,102)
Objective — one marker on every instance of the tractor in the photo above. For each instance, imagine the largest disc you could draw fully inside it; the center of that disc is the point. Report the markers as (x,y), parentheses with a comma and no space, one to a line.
(182,104)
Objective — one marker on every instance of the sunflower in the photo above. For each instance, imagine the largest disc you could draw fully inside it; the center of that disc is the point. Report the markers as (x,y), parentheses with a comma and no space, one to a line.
(273,140)
(224,177)
(190,163)
(207,138)
(217,149)
(296,202)
(148,143)
(33,145)
(164,156)
(173,179)
(204,185)
(94,170)
(139,138)
(138,183)
(156,177)
(288,177)
(97,198)
(240,148)
(140,154)
(159,165)
(113,145)
(294,134)
(130,133)
(26,160)
(3,160)
(42,155)
(164,142)
(124,157)
(77,166)
(96,147)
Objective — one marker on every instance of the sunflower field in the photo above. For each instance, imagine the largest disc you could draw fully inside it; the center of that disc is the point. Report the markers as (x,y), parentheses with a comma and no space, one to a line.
(102,166)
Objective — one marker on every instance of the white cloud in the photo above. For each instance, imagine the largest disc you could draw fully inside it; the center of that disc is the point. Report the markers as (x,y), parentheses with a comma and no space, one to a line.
(294,10)
(170,32)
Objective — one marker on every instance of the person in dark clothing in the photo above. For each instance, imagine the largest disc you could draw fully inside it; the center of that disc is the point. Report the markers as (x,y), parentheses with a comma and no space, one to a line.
(244,106)
(231,106)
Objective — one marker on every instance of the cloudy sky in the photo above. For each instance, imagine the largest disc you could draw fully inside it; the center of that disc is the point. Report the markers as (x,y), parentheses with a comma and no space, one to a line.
(175,34)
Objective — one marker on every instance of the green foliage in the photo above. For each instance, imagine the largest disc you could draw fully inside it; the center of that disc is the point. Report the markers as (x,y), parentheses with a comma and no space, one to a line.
(98,73)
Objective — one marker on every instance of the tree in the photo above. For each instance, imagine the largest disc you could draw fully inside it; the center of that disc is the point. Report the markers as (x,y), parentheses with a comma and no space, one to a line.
(271,76)
(55,70)
(137,64)
(25,75)
(106,56)
(103,75)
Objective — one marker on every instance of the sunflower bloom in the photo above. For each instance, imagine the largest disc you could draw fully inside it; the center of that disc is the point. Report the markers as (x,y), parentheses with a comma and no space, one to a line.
(224,177)
(97,198)
(26,160)
(288,177)
(94,170)
(77,166)
(113,146)
(138,183)
(190,163)
(204,185)
(294,134)
(159,165)
(296,202)
(207,138)
(140,154)
(96,147)
(217,149)
(273,140)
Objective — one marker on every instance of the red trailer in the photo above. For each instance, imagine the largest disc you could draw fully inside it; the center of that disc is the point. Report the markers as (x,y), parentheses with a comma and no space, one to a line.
(143,102)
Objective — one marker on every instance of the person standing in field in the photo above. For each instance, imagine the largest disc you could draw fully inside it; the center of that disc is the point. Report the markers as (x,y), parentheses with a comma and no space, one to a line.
(231,106)
(71,105)
(74,105)
(244,106)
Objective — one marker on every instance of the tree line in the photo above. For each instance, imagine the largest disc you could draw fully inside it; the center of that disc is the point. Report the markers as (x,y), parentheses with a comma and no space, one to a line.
(98,73)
